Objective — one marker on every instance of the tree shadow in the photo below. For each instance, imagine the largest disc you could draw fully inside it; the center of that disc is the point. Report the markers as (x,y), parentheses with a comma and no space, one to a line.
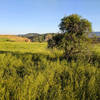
(35,56)
(39,57)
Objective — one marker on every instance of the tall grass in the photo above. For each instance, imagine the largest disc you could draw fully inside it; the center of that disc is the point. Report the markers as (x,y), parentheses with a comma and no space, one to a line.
(29,71)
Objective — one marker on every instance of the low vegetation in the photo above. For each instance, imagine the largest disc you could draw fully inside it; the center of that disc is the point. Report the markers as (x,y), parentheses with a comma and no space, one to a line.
(31,71)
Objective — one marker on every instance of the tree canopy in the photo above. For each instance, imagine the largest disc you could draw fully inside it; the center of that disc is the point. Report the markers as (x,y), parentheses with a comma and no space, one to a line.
(74,37)
(75,24)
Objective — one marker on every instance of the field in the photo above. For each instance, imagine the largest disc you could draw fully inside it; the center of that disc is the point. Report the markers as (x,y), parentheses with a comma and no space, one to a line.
(24,47)
(31,71)
(13,38)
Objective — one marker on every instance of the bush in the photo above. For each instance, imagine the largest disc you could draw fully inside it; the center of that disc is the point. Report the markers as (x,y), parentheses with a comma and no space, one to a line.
(56,41)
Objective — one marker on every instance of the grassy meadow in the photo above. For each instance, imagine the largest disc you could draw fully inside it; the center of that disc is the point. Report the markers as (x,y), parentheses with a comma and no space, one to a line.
(31,71)
(24,47)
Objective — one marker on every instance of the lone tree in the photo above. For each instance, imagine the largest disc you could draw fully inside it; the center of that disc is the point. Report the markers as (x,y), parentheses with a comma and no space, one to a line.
(75,41)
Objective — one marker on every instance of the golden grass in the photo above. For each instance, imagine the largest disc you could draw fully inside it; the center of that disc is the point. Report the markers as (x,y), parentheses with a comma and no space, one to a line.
(14,38)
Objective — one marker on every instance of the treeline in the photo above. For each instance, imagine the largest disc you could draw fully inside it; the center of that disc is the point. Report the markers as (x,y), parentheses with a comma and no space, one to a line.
(36,37)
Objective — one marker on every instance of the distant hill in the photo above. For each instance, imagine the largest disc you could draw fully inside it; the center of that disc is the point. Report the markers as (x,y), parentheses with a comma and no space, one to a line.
(13,38)
(30,35)
(36,37)
(96,33)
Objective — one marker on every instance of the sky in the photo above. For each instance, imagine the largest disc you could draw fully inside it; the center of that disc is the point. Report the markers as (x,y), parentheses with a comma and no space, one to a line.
(44,16)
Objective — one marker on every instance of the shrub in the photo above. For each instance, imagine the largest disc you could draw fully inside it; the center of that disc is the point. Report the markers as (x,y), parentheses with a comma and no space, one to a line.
(56,41)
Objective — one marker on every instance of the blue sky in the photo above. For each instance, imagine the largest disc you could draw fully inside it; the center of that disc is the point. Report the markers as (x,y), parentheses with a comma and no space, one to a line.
(41,16)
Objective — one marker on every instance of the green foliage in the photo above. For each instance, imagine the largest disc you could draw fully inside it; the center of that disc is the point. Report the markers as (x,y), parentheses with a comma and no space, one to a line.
(56,41)
(74,40)
(75,24)
(46,76)
(35,77)
(36,37)
(76,48)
